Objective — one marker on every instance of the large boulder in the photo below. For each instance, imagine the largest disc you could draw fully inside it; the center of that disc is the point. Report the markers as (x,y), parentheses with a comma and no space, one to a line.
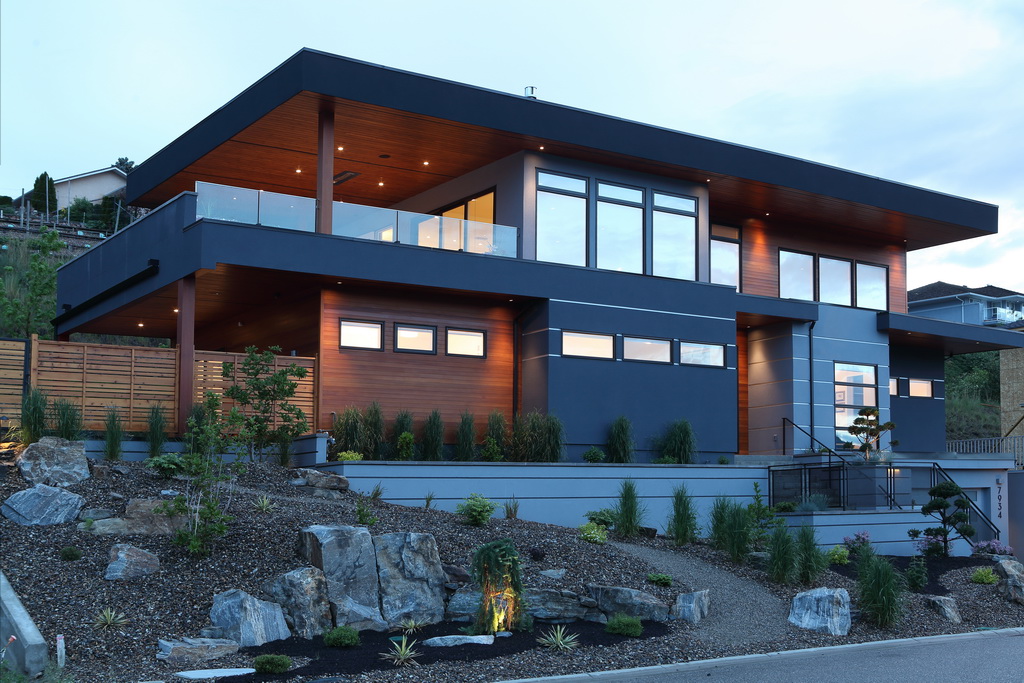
(945,606)
(348,612)
(1004,569)
(553,606)
(247,620)
(616,599)
(54,462)
(142,518)
(324,480)
(463,605)
(1012,589)
(129,562)
(346,556)
(42,505)
(825,610)
(302,594)
(191,651)
(691,607)
(411,578)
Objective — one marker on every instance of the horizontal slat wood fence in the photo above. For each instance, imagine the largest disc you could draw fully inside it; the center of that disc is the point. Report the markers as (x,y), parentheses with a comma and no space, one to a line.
(133,378)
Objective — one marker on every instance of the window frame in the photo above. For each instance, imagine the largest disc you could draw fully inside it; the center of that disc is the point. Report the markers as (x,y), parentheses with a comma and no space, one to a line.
(644,338)
(433,338)
(739,252)
(559,190)
(851,406)
(465,203)
(910,387)
(450,328)
(379,323)
(814,273)
(610,335)
(650,209)
(725,361)
(852,279)
(856,303)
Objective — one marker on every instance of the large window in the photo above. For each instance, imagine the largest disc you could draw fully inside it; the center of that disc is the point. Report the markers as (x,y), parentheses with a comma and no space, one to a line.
(674,236)
(561,219)
(650,350)
(588,345)
(695,353)
(872,286)
(796,275)
(832,280)
(855,388)
(725,255)
(620,228)
(362,334)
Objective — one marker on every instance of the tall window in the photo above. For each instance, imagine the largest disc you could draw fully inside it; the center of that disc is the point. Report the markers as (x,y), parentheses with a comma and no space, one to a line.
(725,255)
(620,228)
(561,219)
(835,281)
(796,275)
(872,286)
(674,236)
(832,280)
(855,388)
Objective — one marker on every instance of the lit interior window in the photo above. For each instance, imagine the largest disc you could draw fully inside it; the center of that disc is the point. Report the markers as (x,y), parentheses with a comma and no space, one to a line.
(894,385)
(588,345)
(465,343)
(652,350)
(362,335)
(414,338)
(921,388)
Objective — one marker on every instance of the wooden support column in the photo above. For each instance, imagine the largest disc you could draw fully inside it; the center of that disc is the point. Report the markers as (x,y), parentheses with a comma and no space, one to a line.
(186,338)
(325,169)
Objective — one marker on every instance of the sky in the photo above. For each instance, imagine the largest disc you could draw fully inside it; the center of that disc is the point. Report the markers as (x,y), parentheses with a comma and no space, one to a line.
(924,92)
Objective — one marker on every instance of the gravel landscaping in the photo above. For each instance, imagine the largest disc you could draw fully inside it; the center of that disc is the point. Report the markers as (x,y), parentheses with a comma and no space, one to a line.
(747,615)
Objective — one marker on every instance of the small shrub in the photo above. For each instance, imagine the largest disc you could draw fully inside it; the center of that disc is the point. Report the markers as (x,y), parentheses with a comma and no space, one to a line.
(377,492)
(991,547)
(33,416)
(881,590)
(348,456)
(67,420)
(556,638)
(108,618)
(606,517)
(949,505)
(406,446)
(717,522)
(271,664)
(592,532)
(476,509)
(433,437)
(857,543)
(815,502)
(593,455)
(663,580)
(629,513)
(810,561)
(781,556)
(364,515)
(762,519)
(624,625)
(550,440)
(373,432)
(723,460)
(682,523)
(401,654)
(916,574)
(620,440)
(838,554)
(409,626)
(984,575)
(737,533)
(156,430)
(264,504)
(70,554)
(465,438)
(497,430)
(511,508)
(166,464)
(89,523)
(785,506)
(679,444)
(113,434)
(347,431)
(402,424)
(343,636)
(490,451)
(428,500)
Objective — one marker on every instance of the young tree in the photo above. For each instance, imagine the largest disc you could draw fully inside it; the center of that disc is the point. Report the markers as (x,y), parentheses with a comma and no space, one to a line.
(41,188)
(869,431)
(124,164)
(949,506)
(28,294)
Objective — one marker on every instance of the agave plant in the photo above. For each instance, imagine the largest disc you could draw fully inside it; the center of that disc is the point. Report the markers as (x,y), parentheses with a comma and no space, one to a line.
(402,654)
(557,639)
(108,618)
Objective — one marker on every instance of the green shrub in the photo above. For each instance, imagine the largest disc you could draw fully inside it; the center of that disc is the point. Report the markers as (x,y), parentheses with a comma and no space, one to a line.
(917,574)
(620,440)
(723,460)
(70,553)
(347,431)
(402,424)
(785,506)
(737,533)
(490,451)
(984,575)
(629,513)
(373,432)
(593,455)
(33,416)
(364,515)
(511,508)
(550,440)
(476,509)
(521,444)
(113,434)
(762,519)
(663,580)
(605,517)
(592,532)
(949,505)
(166,464)
(406,446)
(815,502)
(343,636)
(465,438)
(781,556)
(156,430)
(496,568)
(497,429)
(810,560)
(433,437)
(271,664)
(67,420)
(348,456)
(881,590)
(717,522)
(682,523)
(838,555)
(624,625)
(679,444)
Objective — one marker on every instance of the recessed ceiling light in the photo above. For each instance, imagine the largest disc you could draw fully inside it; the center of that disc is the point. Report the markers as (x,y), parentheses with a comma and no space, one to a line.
(767,214)
(298,170)
(140,324)
(381,183)
(340,148)
(426,163)
(175,310)
(542,146)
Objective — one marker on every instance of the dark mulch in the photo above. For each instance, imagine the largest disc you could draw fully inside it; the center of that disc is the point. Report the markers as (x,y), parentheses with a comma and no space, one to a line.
(937,566)
(326,661)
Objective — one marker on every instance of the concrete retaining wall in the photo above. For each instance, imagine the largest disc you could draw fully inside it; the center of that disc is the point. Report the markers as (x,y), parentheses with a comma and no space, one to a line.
(28,653)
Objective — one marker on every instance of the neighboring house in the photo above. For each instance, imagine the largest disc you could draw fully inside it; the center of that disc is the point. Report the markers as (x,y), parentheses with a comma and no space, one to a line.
(93,186)
(986,305)
(441,246)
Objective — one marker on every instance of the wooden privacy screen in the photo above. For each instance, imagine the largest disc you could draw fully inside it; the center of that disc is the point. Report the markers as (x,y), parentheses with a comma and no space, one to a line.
(209,377)
(12,378)
(96,376)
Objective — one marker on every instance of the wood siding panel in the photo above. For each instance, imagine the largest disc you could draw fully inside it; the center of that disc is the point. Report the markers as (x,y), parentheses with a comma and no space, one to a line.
(760,260)
(411,381)
(12,378)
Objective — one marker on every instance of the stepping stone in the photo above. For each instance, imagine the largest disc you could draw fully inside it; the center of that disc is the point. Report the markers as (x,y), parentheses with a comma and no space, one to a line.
(452,641)
(202,674)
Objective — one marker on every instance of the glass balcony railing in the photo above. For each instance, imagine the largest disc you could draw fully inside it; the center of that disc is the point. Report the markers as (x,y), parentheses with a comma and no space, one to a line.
(256,207)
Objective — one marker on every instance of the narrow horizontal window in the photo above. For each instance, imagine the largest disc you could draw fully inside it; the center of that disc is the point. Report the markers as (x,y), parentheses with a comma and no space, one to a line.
(361,334)
(651,350)
(693,353)
(668,201)
(466,343)
(725,232)
(855,374)
(588,345)
(626,194)
(414,338)
(921,388)
(561,182)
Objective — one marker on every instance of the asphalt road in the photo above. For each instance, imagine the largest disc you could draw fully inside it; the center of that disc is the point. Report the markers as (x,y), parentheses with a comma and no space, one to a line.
(981,657)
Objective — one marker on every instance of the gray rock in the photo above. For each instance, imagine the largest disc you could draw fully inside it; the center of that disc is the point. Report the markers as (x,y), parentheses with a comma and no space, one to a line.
(42,505)
(329,494)
(456,574)
(1004,569)
(452,641)
(825,610)
(54,462)
(211,632)
(758,559)
(588,602)
(691,607)
(463,605)
(95,514)
(614,599)
(206,674)
(324,480)
(302,594)
(411,578)
(945,606)
(553,606)
(1012,589)
(297,482)
(129,562)
(191,651)
(247,620)
(346,556)
(170,492)
(140,518)
(553,573)
(347,612)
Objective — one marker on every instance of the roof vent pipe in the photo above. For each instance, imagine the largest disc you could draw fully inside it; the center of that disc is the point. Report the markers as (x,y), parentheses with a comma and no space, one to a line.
(531,92)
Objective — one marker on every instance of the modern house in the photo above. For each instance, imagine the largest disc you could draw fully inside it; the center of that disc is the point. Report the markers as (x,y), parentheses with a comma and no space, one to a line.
(438,245)
(988,305)
(92,185)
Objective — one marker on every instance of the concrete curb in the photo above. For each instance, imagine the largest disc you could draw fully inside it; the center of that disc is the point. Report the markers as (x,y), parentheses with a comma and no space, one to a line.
(648,671)
(28,653)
